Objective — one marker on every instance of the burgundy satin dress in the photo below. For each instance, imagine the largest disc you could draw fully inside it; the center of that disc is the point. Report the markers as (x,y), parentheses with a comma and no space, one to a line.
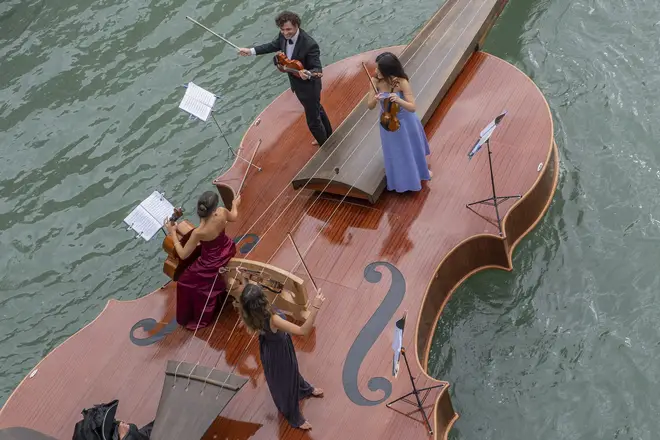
(194,285)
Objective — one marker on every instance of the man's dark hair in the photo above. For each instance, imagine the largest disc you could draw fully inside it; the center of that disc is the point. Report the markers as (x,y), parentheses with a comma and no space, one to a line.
(287,16)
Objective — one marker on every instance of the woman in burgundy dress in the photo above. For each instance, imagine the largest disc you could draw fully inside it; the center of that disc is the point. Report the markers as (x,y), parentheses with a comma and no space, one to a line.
(276,351)
(201,288)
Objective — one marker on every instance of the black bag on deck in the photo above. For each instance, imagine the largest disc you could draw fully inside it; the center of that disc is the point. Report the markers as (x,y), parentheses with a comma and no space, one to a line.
(99,423)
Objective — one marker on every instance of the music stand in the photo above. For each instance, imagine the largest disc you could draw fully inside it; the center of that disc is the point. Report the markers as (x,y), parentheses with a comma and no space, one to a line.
(484,138)
(199,104)
(397,346)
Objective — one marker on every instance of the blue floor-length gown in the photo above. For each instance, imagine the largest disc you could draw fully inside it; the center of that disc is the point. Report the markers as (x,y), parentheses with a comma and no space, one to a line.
(405,152)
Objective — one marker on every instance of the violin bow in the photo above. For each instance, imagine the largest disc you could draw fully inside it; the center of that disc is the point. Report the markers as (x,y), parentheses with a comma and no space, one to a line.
(217,35)
(369,76)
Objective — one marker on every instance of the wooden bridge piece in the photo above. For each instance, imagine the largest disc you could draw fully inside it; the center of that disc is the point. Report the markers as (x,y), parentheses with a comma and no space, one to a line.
(192,400)
(292,296)
(351,160)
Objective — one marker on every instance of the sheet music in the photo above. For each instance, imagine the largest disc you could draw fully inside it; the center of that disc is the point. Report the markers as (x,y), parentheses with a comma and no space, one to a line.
(397,343)
(148,217)
(197,101)
(158,206)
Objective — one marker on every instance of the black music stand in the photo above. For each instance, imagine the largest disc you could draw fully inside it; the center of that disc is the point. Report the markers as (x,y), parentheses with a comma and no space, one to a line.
(398,349)
(419,400)
(485,139)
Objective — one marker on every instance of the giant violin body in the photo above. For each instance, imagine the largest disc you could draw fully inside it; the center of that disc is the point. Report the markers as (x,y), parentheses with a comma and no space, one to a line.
(405,252)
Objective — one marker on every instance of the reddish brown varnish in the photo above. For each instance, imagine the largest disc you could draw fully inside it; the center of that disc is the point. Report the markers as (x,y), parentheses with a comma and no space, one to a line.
(429,236)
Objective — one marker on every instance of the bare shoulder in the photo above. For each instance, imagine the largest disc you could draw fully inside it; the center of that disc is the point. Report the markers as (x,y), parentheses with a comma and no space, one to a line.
(199,233)
(404,84)
(221,213)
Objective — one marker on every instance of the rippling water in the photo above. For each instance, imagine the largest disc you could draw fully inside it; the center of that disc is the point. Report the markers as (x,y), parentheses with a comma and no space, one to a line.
(566,346)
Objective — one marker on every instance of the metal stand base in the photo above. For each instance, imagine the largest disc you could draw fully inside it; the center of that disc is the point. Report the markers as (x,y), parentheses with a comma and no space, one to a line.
(495,200)
(419,401)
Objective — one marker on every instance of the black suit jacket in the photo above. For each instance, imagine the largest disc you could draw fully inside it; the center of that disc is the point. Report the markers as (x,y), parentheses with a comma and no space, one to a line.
(306,51)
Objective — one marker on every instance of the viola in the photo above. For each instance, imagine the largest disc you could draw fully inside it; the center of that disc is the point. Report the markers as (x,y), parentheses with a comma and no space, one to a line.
(284,64)
(388,118)
(174,265)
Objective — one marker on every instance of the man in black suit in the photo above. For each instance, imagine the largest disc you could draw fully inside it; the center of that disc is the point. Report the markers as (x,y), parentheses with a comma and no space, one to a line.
(298,45)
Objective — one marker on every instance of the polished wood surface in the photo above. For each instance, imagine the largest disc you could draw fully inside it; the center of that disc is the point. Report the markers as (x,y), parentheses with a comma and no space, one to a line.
(351,159)
(373,262)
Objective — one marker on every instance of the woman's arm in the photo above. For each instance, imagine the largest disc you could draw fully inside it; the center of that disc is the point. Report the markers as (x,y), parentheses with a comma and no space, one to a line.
(300,330)
(232,215)
(372,99)
(185,251)
(408,101)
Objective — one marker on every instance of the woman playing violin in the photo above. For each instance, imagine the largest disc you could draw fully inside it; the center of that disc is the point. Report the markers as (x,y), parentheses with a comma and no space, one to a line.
(405,148)
(200,285)
(276,351)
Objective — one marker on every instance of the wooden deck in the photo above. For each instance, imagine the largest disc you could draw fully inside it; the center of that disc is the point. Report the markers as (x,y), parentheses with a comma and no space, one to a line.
(349,160)
(373,262)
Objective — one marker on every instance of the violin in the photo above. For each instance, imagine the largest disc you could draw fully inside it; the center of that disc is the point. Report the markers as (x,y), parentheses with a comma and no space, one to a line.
(284,64)
(388,118)
(262,280)
(174,266)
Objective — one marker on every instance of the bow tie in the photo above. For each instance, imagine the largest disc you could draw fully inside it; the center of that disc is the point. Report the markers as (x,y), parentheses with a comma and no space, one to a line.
(290,41)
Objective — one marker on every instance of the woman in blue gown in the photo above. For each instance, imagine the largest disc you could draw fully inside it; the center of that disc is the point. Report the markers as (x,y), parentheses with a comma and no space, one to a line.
(405,149)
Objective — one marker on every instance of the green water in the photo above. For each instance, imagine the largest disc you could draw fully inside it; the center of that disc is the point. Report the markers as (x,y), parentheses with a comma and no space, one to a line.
(567,346)
(563,347)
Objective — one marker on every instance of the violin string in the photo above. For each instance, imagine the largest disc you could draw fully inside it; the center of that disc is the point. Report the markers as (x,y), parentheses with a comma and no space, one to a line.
(318,169)
(340,142)
(301,218)
(411,75)
(185,355)
(238,360)
(298,261)
(188,344)
(456,40)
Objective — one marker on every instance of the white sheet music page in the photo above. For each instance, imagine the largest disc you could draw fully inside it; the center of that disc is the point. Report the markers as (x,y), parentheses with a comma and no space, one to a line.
(148,217)
(197,101)
(158,206)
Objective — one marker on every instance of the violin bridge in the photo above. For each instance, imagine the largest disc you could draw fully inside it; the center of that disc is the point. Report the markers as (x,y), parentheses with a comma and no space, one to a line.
(285,290)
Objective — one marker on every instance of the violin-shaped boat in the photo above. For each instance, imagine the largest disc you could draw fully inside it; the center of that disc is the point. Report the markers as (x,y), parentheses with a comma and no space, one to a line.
(375,254)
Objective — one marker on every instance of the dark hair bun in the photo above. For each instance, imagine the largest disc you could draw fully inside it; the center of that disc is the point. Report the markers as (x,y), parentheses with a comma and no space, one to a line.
(202,210)
(207,203)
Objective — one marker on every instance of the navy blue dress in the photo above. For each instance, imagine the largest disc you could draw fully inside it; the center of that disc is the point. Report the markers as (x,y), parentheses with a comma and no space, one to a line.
(286,385)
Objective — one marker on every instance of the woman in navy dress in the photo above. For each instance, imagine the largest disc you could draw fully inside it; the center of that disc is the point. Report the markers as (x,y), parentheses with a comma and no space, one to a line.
(278,356)
(404,150)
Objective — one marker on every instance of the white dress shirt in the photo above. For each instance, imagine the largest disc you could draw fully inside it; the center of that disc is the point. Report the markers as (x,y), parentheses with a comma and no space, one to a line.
(289,47)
